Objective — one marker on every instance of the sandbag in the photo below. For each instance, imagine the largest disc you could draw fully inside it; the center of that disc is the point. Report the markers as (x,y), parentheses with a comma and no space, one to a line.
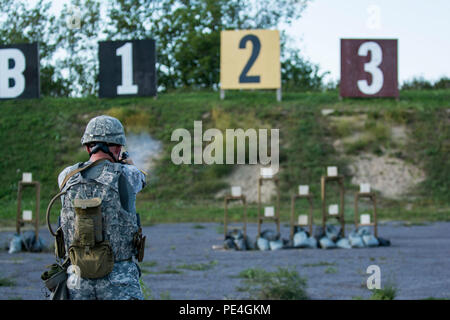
(250,243)
(383,242)
(229,244)
(362,231)
(355,240)
(312,242)
(276,245)
(240,244)
(302,240)
(370,240)
(270,235)
(319,233)
(343,243)
(326,243)
(15,245)
(30,243)
(332,232)
(263,244)
(235,240)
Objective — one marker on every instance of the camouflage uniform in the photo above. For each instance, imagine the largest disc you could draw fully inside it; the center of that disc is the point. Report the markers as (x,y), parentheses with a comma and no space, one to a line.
(117,185)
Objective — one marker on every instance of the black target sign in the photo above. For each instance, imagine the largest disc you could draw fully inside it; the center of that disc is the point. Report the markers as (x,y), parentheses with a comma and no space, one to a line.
(19,71)
(127,68)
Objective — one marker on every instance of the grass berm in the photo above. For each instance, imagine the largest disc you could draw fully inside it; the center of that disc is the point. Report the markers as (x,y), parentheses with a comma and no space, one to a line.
(42,136)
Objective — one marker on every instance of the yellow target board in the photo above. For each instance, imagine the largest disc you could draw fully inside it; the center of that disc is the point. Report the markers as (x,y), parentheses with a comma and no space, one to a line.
(250,59)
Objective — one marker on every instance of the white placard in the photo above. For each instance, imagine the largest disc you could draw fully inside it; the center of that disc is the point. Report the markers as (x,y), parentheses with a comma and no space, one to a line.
(266,172)
(364,188)
(333,209)
(365,218)
(303,190)
(236,191)
(303,220)
(269,211)
(27,177)
(27,215)
(332,171)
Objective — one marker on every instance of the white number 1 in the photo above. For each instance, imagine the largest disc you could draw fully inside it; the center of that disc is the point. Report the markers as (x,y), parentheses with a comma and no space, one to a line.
(371,67)
(127,86)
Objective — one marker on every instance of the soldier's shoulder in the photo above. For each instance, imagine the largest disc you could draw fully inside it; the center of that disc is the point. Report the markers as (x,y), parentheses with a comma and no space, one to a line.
(62,175)
(134,175)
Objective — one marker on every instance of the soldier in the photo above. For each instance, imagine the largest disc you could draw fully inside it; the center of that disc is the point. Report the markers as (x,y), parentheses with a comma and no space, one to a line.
(109,185)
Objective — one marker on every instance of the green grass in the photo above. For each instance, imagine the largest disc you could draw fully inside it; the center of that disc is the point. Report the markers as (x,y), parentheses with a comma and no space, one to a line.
(148,264)
(6,282)
(283,284)
(389,292)
(148,295)
(168,270)
(198,266)
(331,270)
(146,291)
(319,264)
(43,137)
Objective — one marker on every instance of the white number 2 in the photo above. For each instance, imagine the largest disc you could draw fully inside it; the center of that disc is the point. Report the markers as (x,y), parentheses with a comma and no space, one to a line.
(371,67)
(127,86)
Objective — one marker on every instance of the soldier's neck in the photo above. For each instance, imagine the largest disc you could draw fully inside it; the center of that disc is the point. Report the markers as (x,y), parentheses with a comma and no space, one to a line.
(100,155)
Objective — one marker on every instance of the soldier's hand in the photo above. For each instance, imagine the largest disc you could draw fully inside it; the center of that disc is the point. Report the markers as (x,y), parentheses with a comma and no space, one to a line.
(127,161)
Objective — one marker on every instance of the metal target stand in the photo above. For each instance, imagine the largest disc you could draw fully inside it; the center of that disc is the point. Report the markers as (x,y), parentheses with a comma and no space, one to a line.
(20,222)
(225,224)
(276,217)
(372,197)
(325,215)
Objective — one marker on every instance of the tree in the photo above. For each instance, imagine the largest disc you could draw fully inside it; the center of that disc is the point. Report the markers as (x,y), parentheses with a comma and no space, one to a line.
(78,31)
(24,24)
(187,32)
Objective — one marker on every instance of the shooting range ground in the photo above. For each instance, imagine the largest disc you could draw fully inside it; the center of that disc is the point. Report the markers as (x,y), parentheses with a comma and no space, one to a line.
(174,251)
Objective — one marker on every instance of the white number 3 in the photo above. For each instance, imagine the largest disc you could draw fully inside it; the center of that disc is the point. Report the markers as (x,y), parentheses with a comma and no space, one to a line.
(372,68)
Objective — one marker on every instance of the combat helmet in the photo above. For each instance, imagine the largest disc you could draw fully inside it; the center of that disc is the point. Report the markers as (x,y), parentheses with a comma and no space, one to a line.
(104,129)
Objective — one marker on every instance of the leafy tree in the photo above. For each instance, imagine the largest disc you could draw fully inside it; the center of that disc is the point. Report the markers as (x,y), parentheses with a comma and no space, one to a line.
(299,74)
(188,32)
(25,24)
(77,30)
(417,83)
(443,83)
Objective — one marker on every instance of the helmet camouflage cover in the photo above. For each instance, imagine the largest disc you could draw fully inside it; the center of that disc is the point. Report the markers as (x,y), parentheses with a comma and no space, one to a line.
(104,129)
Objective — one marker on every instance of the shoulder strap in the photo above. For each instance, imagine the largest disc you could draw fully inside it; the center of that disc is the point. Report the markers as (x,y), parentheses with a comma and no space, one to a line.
(74,172)
(69,175)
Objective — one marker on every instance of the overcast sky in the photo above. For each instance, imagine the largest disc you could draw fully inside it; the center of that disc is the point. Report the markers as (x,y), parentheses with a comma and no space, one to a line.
(421,27)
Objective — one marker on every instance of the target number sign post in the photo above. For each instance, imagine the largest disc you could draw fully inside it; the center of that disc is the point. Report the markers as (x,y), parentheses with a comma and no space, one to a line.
(250,59)
(19,71)
(127,68)
(369,68)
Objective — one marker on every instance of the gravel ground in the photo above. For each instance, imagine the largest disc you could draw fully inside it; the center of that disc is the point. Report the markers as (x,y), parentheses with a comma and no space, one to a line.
(417,263)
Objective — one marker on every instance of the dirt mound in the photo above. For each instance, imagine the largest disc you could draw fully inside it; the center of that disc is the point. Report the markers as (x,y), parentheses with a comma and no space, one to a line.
(391,176)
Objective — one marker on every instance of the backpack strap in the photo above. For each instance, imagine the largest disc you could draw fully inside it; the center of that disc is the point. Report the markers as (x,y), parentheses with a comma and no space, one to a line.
(69,175)
(74,172)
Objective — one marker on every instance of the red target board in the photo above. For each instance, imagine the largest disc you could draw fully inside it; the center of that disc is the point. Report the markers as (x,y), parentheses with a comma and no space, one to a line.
(369,68)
